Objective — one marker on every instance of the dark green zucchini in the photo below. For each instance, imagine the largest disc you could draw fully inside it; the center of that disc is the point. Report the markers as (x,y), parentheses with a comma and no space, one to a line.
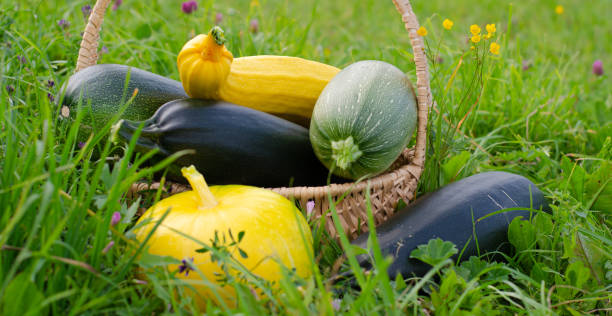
(233,144)
(102,86)
(449,214)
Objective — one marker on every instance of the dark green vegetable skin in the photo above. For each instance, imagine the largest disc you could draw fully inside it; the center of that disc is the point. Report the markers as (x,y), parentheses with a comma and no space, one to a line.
(447,214)
(103,87)
(233,144)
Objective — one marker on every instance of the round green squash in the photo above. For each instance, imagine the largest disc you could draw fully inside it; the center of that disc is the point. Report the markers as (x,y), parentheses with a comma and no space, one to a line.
(363,119)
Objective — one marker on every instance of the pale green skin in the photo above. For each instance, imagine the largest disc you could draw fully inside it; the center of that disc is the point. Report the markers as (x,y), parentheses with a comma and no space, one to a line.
(372,104)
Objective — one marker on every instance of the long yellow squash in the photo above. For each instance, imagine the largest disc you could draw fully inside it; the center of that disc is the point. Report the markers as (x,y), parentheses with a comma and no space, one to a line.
(281,85)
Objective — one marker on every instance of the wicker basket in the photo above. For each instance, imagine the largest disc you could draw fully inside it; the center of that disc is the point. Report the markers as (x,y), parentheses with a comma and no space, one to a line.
(399,182)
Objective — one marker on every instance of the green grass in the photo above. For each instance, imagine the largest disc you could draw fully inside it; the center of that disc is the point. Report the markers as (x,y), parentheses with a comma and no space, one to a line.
(551,123)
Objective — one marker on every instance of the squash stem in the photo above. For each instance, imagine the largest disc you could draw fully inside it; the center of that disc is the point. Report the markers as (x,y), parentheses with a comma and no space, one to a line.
(218,35)
(198,184)
(212,48)
(345,152)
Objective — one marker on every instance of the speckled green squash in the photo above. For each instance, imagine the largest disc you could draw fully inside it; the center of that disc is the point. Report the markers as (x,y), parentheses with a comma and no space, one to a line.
(363,119)
(100,90)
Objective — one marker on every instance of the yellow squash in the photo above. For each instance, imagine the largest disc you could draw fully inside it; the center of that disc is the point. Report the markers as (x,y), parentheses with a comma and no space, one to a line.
(280,85)
(274,232)
(204,57)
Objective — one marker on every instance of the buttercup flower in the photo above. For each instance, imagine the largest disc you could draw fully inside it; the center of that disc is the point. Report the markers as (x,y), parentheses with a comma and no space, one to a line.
(422,31)
(598,68)
(559,9)
(490,30)
(326,52)
(494,48)
(447,24)
(475,38)
(189,6)
(475,29)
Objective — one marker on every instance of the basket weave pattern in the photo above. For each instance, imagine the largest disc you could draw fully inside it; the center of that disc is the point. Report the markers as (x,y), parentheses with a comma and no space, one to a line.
(399,182)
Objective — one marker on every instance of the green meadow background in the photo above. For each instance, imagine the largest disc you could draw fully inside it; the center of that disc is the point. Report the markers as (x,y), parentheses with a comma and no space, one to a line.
(537,109)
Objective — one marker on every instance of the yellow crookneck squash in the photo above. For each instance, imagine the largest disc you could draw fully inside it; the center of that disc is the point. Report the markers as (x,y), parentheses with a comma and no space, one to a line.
(275,231)
(284,86)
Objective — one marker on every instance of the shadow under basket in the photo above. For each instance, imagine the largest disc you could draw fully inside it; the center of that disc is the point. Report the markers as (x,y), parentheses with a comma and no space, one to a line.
(399,182)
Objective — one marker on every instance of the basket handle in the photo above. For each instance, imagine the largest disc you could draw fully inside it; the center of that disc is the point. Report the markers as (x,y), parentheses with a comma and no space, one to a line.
(88,52)
(88,56)
(424,99)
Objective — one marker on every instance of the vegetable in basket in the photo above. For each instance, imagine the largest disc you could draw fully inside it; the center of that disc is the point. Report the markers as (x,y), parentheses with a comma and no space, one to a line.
(266,229)
(284,86)
(363,119)
(232,144)
(101,89)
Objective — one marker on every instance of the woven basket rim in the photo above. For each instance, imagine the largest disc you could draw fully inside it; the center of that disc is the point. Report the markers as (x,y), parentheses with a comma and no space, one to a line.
(409,172)
(372,183)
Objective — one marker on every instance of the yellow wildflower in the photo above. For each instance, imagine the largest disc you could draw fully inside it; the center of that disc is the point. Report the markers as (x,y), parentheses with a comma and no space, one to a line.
(494,48)
(326,52)
(448,24)
(491,28)
(422,31)
(559,9)
(476,38)
(472,47)
(489,35)
(475,29)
